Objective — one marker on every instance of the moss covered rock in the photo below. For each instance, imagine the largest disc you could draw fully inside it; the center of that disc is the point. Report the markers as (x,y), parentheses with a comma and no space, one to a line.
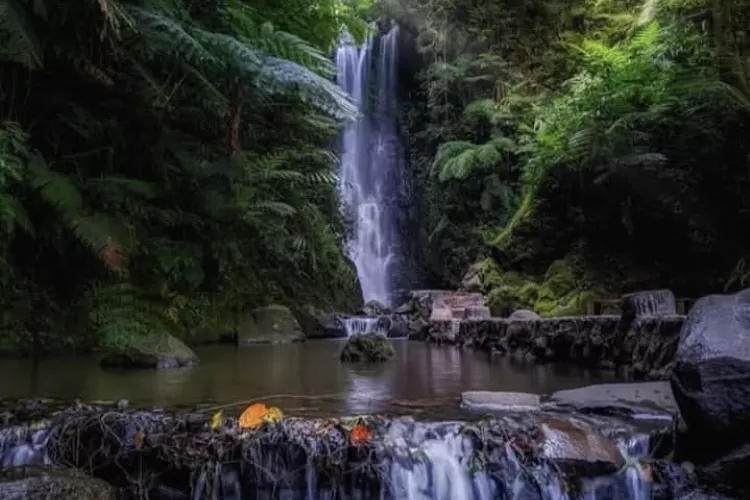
(25,483)
(367,347)
(558,293)
(157,350)
(317,324)
(274,324)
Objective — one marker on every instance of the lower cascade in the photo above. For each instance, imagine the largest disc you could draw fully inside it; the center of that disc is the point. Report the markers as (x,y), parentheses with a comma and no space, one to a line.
(357,325)
(180,457)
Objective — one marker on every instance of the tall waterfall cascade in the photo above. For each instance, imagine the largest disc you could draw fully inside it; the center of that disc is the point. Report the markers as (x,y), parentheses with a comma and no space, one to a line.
(370,156)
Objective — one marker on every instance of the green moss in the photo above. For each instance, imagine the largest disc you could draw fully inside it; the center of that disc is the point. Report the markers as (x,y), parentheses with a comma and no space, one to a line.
(367,347)
(559,293)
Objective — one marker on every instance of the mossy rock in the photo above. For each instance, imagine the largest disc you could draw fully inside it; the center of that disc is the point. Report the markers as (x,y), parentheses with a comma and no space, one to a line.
(274,324)
(158,350)
(559,294)
(49,483)
(367,347)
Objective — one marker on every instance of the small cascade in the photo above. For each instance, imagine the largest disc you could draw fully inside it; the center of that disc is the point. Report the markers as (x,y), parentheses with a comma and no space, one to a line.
(22,445)
(407,460)
(631,482)
(358,325)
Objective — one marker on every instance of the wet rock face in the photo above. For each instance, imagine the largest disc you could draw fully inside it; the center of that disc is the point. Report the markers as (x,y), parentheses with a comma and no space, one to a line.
(367,347)
(373,309)
(503,401)
(711,377)
(711,380)
(579,450)
(27,483)
(159,351)
(317,324)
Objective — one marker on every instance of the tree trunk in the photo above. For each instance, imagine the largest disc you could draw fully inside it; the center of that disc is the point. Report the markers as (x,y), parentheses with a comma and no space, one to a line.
(235,113)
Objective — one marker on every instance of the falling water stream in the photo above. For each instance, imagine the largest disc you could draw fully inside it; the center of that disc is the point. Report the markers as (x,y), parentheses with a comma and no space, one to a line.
(369,160)
(421,461)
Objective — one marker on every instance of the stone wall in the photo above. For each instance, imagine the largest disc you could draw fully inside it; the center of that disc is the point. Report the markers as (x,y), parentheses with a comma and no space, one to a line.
(642,347)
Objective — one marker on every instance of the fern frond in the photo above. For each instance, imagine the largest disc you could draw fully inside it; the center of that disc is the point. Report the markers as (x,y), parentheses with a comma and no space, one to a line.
(19,41)
(459,159)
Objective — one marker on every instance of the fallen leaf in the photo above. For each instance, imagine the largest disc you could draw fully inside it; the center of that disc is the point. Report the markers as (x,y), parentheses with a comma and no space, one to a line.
(359,435)
(216,419)
(273,414)
(253,416)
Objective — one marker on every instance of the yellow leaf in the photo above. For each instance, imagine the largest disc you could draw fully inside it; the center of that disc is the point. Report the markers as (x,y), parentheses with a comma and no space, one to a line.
(138,439)
(216,419)
(273,414)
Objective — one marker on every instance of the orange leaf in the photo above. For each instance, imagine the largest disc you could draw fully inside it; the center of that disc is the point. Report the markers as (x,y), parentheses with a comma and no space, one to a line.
(253,416)
(360,434)
(138,439)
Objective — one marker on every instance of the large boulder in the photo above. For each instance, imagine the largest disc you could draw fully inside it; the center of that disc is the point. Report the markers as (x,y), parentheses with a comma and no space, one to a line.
(373,309)
(28,483)
(367,347)
(578,449)
(274,324)
(524,315)
(711,376)
(158,350)
(317,324)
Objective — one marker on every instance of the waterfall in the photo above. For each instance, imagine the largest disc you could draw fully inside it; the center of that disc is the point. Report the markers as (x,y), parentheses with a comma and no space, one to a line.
(358,325)
(416,461)
(370,156)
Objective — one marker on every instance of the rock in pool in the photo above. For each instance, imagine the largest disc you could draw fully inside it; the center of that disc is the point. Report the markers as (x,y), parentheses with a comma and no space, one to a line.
(274,324)
(711,377)
(158,350)
(317,324)
(579,450)
(711,385)
(27,483)
(367,347)
(499,401)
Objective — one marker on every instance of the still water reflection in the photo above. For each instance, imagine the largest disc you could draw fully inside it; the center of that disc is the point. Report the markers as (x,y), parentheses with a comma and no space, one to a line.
(306,378)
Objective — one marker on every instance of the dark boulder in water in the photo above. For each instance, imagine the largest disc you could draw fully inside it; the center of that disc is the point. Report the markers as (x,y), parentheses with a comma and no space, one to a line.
(711,385)
(711,377)
(158,350)
(367,347)
(51,483)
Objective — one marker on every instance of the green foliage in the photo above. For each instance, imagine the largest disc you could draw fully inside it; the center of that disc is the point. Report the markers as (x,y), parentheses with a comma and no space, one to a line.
(622,122)
(166,164)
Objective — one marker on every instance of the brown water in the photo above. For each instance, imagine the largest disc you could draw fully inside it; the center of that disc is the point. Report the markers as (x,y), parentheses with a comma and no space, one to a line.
(306,379)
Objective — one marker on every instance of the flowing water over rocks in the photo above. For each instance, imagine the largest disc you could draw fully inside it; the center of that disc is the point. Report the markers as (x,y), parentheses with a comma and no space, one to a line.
(176,455)
(371,155)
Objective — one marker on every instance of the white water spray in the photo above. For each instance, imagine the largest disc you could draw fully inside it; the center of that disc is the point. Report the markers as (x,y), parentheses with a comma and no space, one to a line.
(369,162)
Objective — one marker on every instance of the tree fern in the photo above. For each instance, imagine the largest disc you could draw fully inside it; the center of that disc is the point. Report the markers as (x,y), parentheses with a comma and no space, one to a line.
(459,159)
(19,41)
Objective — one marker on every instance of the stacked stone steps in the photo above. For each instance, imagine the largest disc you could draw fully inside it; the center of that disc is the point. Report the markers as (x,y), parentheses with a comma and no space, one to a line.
(446,305)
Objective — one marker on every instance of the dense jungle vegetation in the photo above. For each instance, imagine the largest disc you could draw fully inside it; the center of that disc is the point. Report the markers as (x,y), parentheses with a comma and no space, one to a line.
(165,165)
(581,148)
